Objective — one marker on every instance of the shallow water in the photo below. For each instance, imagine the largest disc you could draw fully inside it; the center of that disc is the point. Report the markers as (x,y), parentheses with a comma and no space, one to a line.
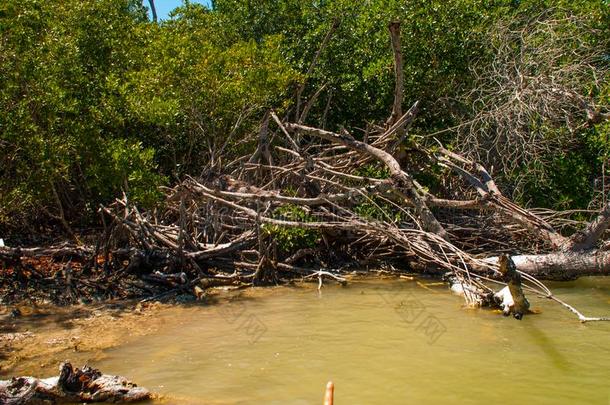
(381,342)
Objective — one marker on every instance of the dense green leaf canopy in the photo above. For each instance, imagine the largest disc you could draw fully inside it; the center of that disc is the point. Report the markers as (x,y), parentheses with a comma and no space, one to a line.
(96,100)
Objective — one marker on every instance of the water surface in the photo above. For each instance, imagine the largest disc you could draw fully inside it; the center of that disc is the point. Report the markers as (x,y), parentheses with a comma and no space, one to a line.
(381,342)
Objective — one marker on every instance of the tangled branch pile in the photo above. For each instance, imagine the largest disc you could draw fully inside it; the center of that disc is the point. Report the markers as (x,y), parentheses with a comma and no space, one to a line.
(528,104)
(304,183)
(235,228)
(313,203)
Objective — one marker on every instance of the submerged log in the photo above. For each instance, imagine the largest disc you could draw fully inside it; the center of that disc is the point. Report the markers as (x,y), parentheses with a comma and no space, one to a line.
(71,386)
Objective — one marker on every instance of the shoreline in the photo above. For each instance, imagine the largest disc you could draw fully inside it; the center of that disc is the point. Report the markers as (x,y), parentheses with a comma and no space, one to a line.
(45,335)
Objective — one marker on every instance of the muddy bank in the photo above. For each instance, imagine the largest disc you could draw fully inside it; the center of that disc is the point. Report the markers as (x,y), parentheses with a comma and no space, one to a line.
(35,342)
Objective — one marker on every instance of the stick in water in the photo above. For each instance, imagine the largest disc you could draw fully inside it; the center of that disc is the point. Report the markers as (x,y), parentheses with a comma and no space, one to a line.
(330,393)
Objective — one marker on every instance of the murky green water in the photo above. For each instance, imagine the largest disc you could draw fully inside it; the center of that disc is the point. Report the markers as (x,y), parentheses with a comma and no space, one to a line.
(390,342)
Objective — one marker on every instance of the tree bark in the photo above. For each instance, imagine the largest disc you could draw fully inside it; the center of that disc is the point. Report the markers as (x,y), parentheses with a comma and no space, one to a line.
(402,180)
(492,198)
(153,10)
(562,265)
(72,386)
(587,238)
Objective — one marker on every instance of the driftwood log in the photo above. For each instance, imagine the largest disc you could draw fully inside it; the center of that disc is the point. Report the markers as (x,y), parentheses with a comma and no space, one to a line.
(71,386)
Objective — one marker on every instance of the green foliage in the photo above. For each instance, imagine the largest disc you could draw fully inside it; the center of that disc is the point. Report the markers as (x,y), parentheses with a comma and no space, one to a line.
(131,165)
(199,89)
(290,239)
(439,39)
(63,66)
(373,170)
(568,180)
(96,100)
(376,209)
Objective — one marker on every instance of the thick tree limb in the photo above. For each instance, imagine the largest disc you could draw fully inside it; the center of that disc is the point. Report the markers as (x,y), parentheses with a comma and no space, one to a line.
(263,195)
(493,198)
(241,242)
(8,253)
(153,10)
(403,181)
(588,237)
(285,132)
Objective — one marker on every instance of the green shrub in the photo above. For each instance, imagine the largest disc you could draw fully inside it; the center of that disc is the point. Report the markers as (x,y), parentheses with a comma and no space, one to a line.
(290,239)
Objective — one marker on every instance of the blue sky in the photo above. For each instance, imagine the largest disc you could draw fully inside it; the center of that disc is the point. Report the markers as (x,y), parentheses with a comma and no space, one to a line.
(165,6)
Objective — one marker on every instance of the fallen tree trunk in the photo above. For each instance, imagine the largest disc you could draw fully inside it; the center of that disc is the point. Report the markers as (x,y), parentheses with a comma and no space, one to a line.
(71,386)
(562,265)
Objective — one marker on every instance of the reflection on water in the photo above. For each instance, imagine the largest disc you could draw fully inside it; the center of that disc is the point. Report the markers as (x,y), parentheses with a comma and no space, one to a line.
(382,342)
